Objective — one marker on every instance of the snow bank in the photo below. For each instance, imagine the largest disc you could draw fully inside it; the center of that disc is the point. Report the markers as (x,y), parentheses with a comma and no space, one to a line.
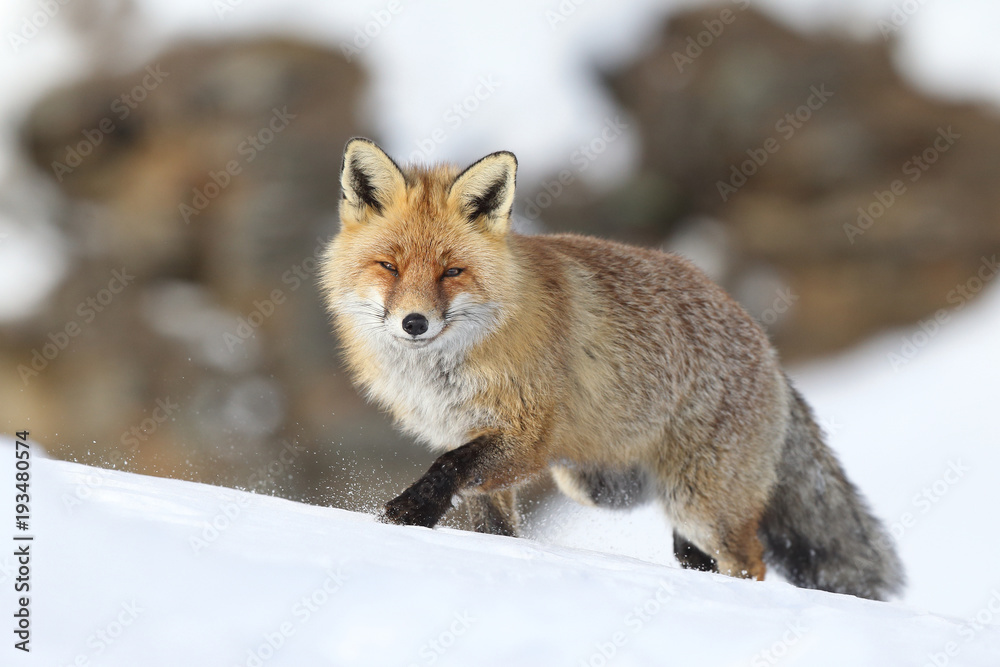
(133,570)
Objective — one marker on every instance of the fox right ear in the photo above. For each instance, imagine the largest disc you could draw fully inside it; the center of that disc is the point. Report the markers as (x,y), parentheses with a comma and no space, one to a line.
(485,191)
(369,181)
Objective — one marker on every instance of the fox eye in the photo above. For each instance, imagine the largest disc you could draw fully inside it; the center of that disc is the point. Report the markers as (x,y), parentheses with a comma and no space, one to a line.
(452,272)
(390,268)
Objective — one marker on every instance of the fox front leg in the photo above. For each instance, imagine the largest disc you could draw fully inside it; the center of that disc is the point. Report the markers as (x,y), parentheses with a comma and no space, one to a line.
(486,464)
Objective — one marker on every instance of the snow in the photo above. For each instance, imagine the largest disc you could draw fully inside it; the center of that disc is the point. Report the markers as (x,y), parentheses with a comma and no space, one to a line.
(919,439)
(129,570)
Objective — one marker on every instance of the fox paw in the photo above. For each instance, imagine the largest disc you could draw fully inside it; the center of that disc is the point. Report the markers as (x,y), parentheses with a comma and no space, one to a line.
(410,509)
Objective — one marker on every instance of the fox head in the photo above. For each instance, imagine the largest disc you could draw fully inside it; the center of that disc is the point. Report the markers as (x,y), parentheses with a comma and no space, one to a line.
(422,258)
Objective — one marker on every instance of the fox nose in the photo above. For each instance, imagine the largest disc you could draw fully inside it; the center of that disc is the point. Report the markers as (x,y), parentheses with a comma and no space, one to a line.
(415,324)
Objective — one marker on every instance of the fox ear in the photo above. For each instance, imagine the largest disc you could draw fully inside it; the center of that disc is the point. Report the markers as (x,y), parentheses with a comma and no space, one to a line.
(369,181)
(485,191)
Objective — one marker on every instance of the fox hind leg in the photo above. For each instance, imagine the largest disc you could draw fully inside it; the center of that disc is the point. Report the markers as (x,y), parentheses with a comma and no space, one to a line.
(691,557)
(741,553)
(494,513)
(714,542)
(604,487)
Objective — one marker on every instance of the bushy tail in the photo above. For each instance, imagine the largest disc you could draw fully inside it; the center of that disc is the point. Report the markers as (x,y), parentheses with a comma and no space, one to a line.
(817,530)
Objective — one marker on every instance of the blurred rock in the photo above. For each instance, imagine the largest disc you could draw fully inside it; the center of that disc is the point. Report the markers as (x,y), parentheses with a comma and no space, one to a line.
(794,142)
(208,180)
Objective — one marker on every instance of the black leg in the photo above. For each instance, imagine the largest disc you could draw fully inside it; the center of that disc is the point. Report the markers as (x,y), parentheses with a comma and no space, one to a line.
(427,499)
(691,557)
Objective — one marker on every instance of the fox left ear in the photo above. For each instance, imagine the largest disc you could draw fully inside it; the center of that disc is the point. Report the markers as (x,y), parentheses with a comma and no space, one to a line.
(485,191)
(369,181)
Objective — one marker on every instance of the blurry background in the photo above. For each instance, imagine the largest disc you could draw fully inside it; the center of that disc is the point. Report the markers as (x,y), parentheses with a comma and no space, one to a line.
(168,174)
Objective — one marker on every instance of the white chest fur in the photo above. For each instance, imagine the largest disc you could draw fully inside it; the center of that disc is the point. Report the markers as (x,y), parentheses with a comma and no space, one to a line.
(430,396)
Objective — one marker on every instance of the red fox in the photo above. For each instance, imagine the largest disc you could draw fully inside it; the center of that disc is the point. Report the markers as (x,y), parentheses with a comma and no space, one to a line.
(623,371)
